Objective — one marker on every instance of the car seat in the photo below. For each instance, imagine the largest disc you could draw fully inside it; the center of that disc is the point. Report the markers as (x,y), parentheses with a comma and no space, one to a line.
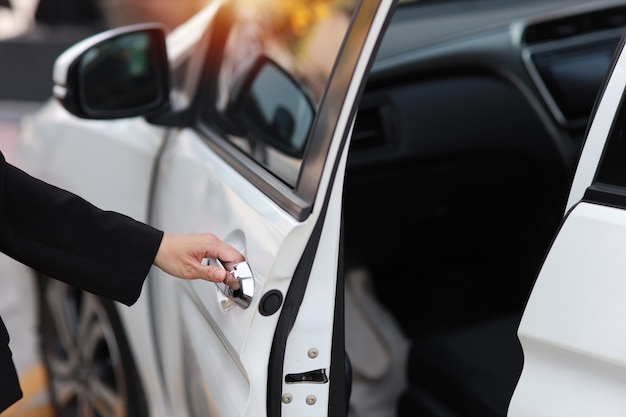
(466,372)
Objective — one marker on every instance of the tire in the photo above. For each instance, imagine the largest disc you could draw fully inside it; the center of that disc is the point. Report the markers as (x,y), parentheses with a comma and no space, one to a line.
(91,372)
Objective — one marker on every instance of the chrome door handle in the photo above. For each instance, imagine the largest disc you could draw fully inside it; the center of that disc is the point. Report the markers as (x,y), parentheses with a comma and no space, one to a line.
(239,285)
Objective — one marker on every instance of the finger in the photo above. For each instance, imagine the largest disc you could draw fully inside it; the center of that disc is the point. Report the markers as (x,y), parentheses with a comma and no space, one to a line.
(214,273)
(225,253)
(230,257)
(217,274)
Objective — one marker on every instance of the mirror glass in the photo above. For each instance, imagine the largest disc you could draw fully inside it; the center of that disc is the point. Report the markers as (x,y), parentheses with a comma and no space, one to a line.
(119,74)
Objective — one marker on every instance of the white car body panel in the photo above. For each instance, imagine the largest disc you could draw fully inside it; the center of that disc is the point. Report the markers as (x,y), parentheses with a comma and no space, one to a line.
(184,37)
(572,328)
(108,163)
(313,329)
(249,222)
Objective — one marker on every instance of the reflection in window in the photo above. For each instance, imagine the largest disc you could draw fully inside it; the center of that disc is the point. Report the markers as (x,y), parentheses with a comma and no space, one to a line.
(279,120)
(302,38)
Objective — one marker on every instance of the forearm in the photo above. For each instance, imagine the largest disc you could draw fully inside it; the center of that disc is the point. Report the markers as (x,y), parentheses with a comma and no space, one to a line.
(67,238)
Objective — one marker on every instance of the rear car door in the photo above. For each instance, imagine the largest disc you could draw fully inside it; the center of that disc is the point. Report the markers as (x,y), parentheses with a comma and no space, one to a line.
(572,331)
(276,86)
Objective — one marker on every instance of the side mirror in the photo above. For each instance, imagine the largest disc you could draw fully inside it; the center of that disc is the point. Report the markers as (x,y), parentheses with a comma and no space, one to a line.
(123,72)
(273,108)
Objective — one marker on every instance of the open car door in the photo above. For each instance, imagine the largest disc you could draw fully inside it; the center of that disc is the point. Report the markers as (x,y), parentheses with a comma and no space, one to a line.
(257,127)
(572,331)
(275,88)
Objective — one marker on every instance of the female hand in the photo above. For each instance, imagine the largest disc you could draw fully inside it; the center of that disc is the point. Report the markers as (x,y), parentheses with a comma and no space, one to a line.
(181,256)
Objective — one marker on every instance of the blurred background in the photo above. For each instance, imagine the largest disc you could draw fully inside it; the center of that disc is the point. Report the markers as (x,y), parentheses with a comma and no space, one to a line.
(34,32)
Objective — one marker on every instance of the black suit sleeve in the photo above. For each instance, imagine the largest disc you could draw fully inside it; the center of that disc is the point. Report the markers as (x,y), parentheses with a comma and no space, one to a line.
(65,237)
(10,390)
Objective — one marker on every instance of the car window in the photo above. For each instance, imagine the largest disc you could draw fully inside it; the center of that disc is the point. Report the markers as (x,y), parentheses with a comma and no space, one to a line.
(609,184)
(611,171)
(277,59)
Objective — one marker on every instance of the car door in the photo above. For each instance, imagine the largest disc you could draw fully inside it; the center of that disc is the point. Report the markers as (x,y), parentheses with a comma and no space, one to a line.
(572,331)
(262,168)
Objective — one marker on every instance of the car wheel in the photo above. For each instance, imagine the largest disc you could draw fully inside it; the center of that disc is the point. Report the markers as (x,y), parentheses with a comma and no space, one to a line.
(90,370)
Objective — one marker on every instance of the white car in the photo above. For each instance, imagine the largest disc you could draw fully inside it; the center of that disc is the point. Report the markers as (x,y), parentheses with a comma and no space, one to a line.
(391,255)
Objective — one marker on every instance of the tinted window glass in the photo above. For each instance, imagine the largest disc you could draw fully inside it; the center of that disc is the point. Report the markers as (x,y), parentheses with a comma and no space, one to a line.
(612,170)
(280,119)
(278,57)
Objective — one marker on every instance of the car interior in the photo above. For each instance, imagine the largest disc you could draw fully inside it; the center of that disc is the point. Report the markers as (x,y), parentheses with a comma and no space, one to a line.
(462,155)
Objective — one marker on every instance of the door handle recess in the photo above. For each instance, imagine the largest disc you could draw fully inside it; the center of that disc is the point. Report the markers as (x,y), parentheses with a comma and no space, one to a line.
(239,285)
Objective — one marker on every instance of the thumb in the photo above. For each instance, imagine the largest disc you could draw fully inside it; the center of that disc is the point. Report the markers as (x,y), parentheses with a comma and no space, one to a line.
(213,273)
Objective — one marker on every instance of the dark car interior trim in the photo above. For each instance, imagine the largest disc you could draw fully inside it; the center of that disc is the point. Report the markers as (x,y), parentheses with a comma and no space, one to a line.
(611,196)
(464,126)
(582,60)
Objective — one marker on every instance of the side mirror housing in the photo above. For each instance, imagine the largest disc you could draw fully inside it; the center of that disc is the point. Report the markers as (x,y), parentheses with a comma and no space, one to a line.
(123,72)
